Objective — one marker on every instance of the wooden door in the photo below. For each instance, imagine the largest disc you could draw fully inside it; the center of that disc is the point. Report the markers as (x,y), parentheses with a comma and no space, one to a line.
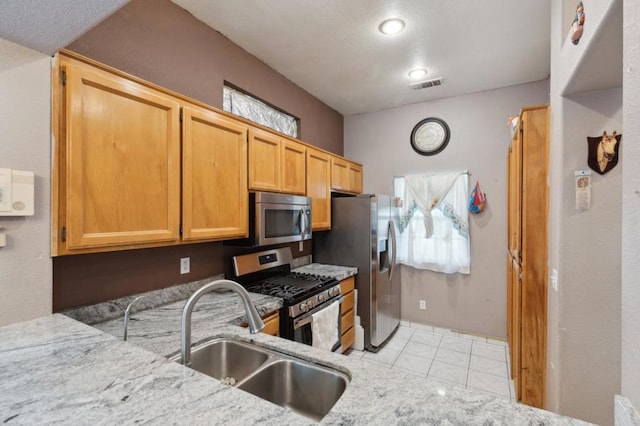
(294,170)
(339,174)
(318,188)
(516,326)
(517,194)
(355,178)
(535,155)
(122,161)
(510,309)
(214,176)
(264,161)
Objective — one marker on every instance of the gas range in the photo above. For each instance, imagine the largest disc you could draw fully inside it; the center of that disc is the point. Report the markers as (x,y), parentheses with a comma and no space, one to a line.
(303,295)
(300,292)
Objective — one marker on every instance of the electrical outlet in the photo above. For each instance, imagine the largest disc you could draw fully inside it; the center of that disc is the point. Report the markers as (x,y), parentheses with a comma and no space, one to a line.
(185,265)
(423,305)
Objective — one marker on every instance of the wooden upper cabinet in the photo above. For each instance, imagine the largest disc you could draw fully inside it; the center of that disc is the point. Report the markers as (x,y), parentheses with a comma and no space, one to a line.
(118,159)
(345,176)
(214,176)
(340,174)
(294,170)
(319,188)
(276,164)
(264,161)
(355,178)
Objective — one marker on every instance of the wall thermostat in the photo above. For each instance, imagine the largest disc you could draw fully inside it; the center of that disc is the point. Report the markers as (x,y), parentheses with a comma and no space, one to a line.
(16,192)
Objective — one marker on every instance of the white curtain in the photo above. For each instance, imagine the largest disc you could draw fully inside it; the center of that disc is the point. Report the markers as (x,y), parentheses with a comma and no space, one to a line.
(434,222)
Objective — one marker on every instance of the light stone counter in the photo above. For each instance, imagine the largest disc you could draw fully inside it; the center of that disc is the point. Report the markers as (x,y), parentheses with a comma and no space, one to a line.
(56,370)
(338,272)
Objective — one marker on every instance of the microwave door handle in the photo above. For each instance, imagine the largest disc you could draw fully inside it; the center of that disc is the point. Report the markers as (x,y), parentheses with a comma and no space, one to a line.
(303,224)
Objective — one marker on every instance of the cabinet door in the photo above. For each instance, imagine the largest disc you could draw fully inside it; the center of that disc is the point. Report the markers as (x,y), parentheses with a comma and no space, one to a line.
(264,161)
(214,176)
(355,178)
(318,188)
(534,243)
(122,162)
(516,327)
(339,174)
(293,167)
(515,197)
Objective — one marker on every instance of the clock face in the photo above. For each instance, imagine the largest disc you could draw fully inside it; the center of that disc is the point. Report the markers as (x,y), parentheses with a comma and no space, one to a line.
(430,136)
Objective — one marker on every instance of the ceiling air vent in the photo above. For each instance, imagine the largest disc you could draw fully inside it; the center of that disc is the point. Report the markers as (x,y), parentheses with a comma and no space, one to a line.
(426,84)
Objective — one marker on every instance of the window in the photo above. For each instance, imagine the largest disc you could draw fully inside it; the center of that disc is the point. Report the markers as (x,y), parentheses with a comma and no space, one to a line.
(442,243)
(246,106)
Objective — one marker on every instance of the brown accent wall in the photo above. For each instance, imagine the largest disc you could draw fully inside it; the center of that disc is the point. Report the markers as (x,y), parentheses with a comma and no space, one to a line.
(158,41)
(86,279)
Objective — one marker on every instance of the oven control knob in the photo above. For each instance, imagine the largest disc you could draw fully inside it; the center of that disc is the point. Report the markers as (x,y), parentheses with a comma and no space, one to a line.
(334,292)
(303,307)
(320,298)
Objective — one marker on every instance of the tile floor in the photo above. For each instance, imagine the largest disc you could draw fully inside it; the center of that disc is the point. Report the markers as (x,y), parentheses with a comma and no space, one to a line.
(434,353)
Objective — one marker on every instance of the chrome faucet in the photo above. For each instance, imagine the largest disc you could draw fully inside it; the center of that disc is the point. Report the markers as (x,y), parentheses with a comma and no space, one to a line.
(127,315)
(253,317)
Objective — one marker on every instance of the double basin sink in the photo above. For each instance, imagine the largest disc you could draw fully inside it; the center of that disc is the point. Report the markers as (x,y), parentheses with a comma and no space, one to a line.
(301,386)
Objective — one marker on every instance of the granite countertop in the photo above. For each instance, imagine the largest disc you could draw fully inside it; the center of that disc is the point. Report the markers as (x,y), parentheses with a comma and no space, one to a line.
(338,272)
(55,369)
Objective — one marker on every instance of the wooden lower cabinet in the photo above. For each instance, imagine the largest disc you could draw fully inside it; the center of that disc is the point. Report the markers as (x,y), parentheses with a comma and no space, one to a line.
(272,324)
(348,313)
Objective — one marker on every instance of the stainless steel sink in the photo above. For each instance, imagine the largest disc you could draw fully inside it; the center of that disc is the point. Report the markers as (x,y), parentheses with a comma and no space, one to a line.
(226,358)
(298,385)
(301,386)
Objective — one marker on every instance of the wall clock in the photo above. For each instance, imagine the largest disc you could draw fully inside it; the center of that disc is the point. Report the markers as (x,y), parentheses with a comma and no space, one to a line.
(430,136)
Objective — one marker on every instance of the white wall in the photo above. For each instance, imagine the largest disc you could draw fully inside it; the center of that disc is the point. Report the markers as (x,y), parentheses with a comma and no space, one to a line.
(25,139)
(479,142)
(631,207)
(583,356)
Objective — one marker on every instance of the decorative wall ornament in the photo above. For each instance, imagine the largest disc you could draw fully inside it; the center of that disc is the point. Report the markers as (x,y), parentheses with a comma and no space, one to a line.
(477,200)
(603,152)
(578,24)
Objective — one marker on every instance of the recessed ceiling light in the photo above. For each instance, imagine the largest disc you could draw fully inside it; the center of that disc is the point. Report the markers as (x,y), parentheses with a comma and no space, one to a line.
(418,73)
(391,26)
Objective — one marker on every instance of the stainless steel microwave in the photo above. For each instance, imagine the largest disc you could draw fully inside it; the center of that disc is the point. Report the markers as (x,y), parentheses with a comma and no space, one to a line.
(277,218)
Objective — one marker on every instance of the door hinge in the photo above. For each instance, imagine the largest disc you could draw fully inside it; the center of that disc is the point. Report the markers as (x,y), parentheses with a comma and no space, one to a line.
(63,234)
(63,77)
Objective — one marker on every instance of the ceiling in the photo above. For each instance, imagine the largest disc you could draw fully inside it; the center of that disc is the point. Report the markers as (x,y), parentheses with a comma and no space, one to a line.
(48,25)
(333,49)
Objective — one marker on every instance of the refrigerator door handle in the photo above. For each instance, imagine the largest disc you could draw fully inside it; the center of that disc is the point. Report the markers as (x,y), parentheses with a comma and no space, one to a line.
(392,234)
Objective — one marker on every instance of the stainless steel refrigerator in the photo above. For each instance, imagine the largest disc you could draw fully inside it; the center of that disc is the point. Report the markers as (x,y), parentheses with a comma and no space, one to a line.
(363,234)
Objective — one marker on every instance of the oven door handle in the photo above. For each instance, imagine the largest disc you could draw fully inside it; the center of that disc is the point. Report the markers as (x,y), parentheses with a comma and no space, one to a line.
(308,317)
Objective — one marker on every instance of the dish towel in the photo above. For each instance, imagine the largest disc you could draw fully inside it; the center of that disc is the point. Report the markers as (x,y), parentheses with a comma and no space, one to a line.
(324,327)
